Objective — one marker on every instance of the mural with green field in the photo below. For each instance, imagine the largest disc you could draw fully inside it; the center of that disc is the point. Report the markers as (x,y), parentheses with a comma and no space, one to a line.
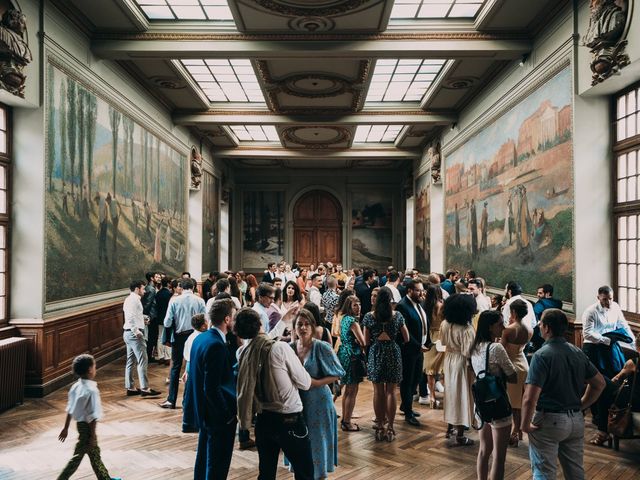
(509,194)
(115,195)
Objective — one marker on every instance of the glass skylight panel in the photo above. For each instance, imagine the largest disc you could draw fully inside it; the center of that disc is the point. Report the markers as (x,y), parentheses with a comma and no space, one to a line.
(377,133)
(256,133)
(226,80)
(186,9)
(404,80)
(436,8)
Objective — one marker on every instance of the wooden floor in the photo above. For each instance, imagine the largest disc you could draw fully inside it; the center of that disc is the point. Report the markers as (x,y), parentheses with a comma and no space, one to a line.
(141,441)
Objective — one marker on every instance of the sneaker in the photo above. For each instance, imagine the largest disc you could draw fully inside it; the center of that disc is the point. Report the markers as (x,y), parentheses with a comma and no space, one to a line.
(133,391)
(439,386)
(424,400)
(416,397)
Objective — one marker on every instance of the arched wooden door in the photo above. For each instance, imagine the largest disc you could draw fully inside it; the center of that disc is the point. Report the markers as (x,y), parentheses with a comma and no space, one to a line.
(317,228)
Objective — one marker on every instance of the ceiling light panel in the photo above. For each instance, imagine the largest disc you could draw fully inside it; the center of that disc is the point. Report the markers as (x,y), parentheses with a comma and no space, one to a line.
(404,80)
(403,9)
(216,10)
(226,80)
(255,133)
(377,133)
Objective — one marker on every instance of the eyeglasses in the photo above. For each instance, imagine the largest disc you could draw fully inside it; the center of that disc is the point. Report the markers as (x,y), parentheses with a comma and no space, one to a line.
(272,297)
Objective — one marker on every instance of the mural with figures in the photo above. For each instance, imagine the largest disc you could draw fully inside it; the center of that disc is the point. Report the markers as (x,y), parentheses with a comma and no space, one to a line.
(263,229)
(509,194)
(422,223)
(210,219)
(115,195)
(371,230)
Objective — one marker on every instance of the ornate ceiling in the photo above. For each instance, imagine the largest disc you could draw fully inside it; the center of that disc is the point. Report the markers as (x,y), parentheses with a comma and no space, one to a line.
(344,83)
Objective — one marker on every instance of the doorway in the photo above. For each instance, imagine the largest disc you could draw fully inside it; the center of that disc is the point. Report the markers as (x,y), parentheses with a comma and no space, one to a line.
(317,228)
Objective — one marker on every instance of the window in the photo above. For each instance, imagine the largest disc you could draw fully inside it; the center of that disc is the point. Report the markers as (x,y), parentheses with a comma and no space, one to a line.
(5,210)
(626,209)
(377,133)
(404,80)
(256,133)
(217,10)
(436,8)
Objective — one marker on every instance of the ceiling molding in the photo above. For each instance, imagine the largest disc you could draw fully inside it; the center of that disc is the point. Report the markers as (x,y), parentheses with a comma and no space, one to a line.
(339,136)
(355,152)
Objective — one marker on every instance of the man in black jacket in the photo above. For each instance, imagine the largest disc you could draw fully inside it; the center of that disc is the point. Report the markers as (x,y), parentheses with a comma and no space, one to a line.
(415,319)
(363,291)
(270,274)
(149,309)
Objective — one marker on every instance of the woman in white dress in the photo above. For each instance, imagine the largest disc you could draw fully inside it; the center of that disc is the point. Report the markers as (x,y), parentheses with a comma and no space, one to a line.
(457,335)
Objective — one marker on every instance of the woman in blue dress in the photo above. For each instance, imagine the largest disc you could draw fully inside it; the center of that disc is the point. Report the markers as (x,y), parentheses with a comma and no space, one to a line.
(321,362)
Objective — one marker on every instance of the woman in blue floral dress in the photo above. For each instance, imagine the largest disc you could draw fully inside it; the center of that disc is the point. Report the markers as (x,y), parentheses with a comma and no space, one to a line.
(384,368)
(321,362)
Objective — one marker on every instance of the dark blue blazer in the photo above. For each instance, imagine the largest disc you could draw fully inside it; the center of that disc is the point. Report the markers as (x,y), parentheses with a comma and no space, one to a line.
(414,324)
(211,382)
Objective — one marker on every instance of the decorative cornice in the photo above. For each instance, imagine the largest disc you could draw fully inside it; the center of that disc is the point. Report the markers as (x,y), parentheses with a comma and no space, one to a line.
(311,36)
(342,135)
(306,112)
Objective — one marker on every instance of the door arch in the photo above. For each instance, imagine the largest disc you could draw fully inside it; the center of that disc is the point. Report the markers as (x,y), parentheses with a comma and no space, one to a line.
(317,228)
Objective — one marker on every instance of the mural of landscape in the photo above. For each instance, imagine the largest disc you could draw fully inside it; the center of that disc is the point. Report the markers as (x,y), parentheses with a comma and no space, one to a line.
(115,195)
(263,229)
(210,219)
(422,223)
(509,194)
(371,230)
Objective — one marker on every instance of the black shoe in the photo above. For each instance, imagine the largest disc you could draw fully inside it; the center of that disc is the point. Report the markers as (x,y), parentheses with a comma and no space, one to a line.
(153,360)
(132,392)
(415,414)
(149,393)
(247,444)
(412,421)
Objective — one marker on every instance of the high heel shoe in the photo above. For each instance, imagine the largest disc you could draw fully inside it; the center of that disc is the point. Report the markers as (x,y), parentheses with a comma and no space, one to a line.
(379,431)
(515,438)
(390,434)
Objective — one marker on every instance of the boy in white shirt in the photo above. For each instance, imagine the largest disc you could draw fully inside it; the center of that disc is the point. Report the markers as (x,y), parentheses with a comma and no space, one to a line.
(85,408)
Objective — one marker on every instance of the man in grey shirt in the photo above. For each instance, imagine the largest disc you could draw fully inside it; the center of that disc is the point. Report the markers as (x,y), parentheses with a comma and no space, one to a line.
(556,379)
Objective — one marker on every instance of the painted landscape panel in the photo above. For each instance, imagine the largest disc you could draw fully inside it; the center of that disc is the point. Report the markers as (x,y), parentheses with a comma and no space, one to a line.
(509,194)
(371,230)
(263,229)
(210,220)
(115,195)
(423,223)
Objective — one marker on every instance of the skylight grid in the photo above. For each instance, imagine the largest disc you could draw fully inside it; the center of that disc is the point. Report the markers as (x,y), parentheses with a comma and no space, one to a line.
(226,80)
(377,133)
(215,10)
(435,9)
(256,133)
(404,80)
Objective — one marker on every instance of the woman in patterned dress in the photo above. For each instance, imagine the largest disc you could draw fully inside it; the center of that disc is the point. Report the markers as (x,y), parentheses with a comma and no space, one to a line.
(352,341)
(434,358)
(321,362)
(384,368)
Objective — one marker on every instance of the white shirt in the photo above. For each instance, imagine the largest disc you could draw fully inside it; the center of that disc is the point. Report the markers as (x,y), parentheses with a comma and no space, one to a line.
(207,307)
(289,375)
(597,320)
(483,303)
(529,317)
(187,345)
(499,362)
(84,401)
(133,319)
(395,292)
(263,315)
(288,277)
(315,296)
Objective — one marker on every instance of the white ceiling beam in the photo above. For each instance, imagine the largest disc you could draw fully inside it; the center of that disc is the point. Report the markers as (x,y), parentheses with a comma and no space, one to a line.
(356,152)
(381,46)
(256,118)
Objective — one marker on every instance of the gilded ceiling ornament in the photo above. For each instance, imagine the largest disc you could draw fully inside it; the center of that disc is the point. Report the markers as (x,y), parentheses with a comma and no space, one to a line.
(606,37)
(292,135)
(14,51)
(312,24)
(320,8)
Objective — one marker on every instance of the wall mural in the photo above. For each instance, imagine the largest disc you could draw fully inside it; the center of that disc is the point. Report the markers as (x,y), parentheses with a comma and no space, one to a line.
(371,230)
(509,194)
(210,220)
(423,223)
(115,195)
(263,229)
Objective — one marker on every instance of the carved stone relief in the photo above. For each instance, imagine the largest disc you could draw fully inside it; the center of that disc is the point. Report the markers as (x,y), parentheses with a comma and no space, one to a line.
(14,51)
(434,156)
(606,37)
(195,160)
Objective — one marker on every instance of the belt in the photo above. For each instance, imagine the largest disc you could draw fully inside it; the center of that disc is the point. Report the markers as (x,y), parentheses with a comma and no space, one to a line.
(184,332)
(127,329)
(553,410)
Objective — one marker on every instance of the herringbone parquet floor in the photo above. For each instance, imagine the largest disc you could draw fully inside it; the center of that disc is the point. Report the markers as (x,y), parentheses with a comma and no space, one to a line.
(141,441)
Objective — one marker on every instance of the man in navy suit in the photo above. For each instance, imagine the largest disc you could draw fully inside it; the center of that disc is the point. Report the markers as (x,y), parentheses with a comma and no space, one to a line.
(213,391)
(415,319)
(270,274)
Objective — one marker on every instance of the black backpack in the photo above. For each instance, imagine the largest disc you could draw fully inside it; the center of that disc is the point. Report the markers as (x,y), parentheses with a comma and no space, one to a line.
(490,395)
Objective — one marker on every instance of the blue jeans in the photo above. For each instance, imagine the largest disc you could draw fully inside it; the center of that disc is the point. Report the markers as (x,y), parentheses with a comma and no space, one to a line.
(560,437)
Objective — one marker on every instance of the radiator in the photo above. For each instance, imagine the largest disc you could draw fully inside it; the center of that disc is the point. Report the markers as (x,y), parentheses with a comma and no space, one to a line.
(13,364)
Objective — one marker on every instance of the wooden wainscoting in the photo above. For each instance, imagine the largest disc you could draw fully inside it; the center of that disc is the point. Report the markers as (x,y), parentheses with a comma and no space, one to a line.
(54,342)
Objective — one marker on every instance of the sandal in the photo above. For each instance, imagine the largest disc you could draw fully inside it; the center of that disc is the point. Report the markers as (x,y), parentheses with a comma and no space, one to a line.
(349,426)
(451,431)
(514,439)
(600,438)
(464,441)
(390,435)
(380,431)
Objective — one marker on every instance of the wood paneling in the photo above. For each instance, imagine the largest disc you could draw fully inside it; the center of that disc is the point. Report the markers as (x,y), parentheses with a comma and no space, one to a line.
(54,342)
(317,228)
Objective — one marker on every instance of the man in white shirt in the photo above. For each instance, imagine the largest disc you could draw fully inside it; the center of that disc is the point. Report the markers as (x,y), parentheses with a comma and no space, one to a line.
(393,280)
(313,294)
(482,302)
(266,293)
(514,292)
(598,320)
(133,336)
(280,424)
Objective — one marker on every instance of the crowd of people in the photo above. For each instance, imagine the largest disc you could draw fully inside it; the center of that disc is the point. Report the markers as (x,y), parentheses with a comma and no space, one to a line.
(275,356)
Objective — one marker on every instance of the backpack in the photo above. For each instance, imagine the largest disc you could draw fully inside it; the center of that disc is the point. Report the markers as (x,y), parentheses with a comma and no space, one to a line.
(490,395)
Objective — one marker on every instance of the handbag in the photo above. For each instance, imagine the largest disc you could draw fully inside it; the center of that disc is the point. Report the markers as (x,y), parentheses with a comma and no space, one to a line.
(357,366)
(620,421)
